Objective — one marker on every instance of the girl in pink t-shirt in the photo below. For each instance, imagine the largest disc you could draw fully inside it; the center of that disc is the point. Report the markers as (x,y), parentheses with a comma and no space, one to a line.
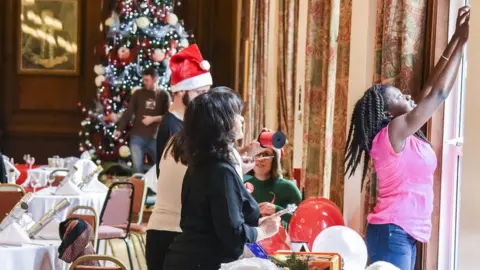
(386,127)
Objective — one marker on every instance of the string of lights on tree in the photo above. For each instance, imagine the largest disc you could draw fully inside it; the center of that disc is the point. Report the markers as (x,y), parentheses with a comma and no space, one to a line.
(138,34)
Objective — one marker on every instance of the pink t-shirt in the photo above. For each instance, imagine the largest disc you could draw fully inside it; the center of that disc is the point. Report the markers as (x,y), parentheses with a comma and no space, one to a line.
(405,185)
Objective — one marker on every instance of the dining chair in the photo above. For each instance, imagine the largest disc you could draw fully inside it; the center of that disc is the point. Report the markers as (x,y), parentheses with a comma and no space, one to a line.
(11,194)
(116,215)
(76,265)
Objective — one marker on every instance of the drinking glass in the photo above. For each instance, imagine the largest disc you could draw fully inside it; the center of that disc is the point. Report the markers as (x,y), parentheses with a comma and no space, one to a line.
(34,183)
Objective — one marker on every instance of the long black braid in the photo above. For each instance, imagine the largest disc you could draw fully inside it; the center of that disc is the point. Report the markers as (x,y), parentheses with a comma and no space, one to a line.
(368,119)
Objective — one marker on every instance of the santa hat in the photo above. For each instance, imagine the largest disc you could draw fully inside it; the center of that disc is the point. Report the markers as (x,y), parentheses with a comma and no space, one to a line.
(189,70)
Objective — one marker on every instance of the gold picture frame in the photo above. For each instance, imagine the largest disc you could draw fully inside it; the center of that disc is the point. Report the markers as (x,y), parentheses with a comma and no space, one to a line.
(49,37)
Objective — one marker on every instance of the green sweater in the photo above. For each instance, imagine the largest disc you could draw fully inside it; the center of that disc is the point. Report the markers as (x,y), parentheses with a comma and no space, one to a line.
(284,191)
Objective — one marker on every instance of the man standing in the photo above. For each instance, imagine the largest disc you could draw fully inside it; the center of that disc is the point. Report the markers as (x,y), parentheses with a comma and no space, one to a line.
(148,106)
(190,78)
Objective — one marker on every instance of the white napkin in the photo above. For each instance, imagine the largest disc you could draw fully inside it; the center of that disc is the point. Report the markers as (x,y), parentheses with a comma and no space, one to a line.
(86,155)
(382,266)
(249,264)
(28,221)
(151,179)
(49,232)
(84,167)
(95,186)
(9,165)
(14,235)
(299,247)
(68,188)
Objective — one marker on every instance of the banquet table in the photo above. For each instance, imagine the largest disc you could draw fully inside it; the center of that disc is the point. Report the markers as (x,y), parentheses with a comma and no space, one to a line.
(44,200)
(39,255)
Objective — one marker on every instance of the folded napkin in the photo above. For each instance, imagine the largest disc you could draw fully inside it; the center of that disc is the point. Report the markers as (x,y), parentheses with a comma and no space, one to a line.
(84,168)
(95,186)
(299,247)
(250,264)
(68,188)
(27,221)
(9,166)
(14,235)
(50,231)
(151,179)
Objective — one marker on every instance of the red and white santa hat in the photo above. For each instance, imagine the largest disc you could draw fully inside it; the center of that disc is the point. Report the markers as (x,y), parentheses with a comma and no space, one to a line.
(189,70)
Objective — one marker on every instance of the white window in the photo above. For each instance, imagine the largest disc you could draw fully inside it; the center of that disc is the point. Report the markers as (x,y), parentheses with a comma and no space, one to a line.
(452,160)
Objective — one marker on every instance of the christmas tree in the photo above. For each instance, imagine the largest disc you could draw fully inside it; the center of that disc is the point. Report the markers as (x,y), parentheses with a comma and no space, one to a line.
(138,34)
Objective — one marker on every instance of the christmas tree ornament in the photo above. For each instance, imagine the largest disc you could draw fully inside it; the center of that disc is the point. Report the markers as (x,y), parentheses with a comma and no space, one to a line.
(158,55)
(172,19)
(143,22)
(123,53)
(99,80)
(99,69)
(124,151)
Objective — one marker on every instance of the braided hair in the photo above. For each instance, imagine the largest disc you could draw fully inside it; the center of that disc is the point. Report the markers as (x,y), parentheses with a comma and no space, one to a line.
(368,119)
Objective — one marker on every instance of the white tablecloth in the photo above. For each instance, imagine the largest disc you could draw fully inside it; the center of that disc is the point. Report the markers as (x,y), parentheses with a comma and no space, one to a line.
(41,255)
(44,200)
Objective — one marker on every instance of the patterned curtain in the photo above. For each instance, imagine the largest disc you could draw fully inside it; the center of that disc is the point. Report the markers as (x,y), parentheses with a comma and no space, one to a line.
(256,78)
(287,36)
(399,39)
(326,89)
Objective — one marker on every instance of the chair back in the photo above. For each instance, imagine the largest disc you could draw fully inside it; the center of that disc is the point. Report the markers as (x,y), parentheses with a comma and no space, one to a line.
(11,195)
(91,218)
(117,209)
(139,196)
(76,265)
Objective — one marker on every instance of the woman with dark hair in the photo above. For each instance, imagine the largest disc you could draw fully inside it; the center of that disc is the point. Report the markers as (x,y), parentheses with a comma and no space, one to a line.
(385,127)
(270,190)
(218,215)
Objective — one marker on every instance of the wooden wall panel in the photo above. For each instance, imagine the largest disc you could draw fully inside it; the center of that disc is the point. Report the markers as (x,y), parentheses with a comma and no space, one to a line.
(39,112)
(214,25)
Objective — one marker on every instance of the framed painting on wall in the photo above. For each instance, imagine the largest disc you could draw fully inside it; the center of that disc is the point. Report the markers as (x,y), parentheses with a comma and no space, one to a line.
(49,37)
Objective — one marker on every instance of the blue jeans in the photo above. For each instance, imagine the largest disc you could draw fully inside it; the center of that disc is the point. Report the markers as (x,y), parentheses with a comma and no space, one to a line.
(139,146)
(390,243)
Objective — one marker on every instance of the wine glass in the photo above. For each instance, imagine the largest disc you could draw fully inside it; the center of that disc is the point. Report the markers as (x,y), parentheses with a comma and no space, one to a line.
(34,183)
(51,179)
(31,161)
(26,157)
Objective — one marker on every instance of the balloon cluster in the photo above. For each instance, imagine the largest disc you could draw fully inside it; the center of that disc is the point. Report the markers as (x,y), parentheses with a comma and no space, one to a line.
(319,223)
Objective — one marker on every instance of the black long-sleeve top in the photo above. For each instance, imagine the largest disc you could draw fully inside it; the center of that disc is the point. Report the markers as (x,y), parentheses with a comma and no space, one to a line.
(218,216)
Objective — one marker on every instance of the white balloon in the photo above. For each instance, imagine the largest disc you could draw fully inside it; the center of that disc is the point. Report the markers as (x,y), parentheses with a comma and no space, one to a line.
(382,266)
(346,242)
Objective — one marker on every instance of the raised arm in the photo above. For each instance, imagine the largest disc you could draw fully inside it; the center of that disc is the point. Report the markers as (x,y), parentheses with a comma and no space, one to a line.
(438,86)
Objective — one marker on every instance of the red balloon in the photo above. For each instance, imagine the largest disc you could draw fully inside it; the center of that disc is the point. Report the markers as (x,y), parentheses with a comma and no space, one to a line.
(275,243)
(312,217)
(321,199)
